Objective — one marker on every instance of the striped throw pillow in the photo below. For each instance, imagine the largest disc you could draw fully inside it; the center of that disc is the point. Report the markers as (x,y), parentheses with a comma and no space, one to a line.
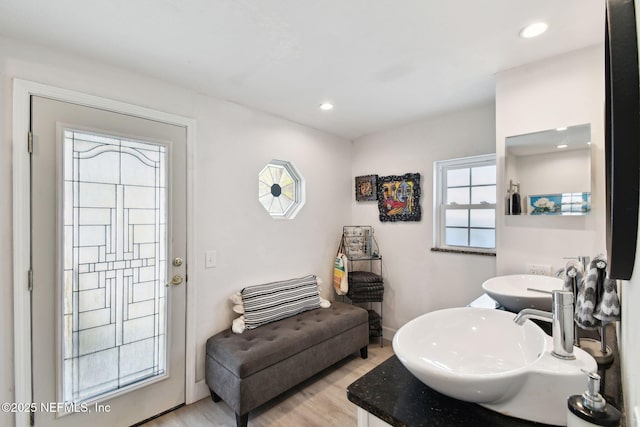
(277,300)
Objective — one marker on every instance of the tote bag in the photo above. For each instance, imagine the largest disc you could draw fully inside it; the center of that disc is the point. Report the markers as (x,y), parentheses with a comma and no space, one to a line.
(340,273)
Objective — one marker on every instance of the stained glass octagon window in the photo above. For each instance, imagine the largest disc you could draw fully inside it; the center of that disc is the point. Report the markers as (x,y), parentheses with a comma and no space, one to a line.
(281,189)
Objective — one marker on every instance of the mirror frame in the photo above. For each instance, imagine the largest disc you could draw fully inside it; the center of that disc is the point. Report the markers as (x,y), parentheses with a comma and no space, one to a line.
(622,137)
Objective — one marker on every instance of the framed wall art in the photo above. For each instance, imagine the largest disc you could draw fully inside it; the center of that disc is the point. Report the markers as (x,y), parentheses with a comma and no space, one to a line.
(366,187)
(399,197)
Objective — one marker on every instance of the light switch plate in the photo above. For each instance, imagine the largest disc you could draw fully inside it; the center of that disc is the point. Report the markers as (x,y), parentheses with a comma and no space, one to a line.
(210,259)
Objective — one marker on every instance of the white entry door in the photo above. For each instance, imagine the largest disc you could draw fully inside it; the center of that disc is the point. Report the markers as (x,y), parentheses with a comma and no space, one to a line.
(108,197)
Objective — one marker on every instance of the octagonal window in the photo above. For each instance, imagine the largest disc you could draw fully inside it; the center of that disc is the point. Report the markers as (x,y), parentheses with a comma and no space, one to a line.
(281,189)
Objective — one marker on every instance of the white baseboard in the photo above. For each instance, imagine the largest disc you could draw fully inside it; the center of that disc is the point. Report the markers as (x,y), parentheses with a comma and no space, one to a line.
(388,333)
(201,391)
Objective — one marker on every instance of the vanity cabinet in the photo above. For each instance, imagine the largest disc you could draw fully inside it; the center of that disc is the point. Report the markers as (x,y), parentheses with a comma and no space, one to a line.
(366,419)
(389,395)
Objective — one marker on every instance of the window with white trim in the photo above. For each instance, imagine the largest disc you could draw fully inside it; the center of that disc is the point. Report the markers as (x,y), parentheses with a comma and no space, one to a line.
(465,203)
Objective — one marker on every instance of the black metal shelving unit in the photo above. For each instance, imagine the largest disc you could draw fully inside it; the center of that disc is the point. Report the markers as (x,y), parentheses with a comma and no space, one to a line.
(366,285)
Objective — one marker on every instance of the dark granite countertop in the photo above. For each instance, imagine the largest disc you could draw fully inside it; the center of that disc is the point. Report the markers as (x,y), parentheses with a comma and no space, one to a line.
(393,394)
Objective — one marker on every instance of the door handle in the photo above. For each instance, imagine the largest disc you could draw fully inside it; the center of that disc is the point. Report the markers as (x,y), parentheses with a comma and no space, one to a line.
(175,280)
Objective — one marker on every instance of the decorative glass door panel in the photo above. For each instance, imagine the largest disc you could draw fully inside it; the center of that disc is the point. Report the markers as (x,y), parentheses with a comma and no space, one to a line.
(114,264)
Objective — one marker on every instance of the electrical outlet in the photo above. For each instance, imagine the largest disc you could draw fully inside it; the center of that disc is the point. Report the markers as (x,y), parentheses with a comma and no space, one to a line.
(539,269)
(210,259)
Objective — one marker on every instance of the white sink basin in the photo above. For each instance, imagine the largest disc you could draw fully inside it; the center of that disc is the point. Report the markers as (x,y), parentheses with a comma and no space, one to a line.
(515,292)
(480,355)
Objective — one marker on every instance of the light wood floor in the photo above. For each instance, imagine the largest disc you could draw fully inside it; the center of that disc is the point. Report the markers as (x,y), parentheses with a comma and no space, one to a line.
(319,401)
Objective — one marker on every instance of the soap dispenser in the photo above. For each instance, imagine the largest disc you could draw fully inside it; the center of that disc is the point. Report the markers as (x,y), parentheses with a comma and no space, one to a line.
(590,409)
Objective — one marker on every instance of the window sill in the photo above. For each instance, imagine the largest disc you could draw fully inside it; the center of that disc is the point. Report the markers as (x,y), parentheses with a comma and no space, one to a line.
(463,251)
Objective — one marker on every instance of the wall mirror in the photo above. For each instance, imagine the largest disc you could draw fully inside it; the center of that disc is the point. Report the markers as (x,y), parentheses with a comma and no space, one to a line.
(549,172)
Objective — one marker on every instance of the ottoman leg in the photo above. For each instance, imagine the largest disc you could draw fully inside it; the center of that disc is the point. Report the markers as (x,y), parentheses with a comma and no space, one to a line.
(214,396)
(364,352)
(242,420)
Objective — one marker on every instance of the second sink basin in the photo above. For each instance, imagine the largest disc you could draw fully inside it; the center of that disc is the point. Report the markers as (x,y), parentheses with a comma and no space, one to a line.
(482,356)
(519,291)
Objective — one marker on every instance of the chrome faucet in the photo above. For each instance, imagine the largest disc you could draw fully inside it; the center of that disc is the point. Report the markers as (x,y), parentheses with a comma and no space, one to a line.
(585,262)
(582,259)
(561,319)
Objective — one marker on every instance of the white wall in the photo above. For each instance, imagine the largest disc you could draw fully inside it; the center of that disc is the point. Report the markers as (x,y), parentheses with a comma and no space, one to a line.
(628,339)
(233,144)
(630,324)
(6,249)
(561,91)
(417,280)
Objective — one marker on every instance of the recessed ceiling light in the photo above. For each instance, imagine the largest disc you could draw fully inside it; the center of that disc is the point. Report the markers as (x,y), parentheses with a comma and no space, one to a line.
(561,129)
(326,106)
(562,146)
(534,30)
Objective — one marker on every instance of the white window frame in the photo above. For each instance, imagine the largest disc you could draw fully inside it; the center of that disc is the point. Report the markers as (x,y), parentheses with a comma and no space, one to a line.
(439,194)
(298,193)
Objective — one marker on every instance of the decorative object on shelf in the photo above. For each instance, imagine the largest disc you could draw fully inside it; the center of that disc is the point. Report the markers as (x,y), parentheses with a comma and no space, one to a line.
(281,189)
(356,240)
(366,187)
(514,203)
(560,204)
(399,197)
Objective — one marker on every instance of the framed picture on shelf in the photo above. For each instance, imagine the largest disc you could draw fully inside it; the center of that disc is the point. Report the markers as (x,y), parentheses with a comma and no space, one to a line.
(560,204)
(366,187)
(399,197)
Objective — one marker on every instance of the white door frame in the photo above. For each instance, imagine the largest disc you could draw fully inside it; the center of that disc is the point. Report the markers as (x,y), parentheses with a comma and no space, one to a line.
(22,92)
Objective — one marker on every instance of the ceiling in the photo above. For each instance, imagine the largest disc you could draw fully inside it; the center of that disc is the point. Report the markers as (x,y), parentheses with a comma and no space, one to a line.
(382,63)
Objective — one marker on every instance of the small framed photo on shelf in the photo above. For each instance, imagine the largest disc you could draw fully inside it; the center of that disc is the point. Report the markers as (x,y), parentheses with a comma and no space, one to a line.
(366,187)
(560,204)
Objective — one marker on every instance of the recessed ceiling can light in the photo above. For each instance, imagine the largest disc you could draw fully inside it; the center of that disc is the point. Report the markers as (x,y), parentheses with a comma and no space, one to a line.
(534,30)
(326,106)
(562,146)
(561,129)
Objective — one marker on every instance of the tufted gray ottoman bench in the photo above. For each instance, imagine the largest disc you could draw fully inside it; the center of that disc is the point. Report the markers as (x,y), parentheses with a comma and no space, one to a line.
(251,368)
